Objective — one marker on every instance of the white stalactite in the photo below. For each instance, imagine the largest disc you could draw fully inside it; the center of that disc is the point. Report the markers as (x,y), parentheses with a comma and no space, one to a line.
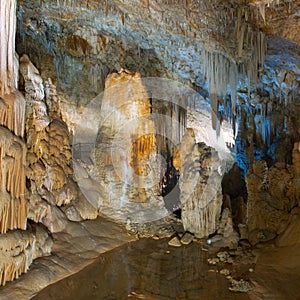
(8,60)
(221,71)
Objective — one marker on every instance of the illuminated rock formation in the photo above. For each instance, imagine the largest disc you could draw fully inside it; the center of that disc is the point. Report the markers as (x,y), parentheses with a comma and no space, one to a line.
(17,245)
(49,153)
(12,113)
(12,119)
(126,151)
(200,185)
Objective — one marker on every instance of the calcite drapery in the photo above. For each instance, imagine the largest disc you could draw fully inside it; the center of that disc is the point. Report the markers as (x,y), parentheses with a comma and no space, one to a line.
(12,177)
(12,120)
(17,251)
(12,112)
(17,248)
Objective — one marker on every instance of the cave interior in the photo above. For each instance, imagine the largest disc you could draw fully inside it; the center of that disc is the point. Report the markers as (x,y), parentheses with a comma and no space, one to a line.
(171,125)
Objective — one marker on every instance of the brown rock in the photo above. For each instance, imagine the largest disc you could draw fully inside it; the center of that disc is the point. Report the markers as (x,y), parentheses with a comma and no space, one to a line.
(187,238)
(174,242)
(270,197)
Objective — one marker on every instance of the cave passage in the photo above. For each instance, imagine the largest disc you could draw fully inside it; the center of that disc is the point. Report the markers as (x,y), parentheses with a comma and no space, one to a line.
(170,188)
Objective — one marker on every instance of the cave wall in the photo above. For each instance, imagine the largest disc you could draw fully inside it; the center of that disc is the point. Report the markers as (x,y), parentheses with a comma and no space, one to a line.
(19,244)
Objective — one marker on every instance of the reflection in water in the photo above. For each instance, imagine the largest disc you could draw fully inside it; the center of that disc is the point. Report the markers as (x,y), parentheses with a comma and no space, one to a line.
(146,269)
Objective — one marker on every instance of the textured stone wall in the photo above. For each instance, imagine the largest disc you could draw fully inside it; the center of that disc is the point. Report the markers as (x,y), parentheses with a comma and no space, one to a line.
(272,194)
(18,245)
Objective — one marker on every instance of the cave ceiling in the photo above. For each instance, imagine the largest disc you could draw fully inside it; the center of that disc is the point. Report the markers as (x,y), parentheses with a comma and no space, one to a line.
(107,35)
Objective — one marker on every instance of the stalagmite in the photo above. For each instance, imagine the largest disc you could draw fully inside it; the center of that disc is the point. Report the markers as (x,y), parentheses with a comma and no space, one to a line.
(201,196)
(52,100)
(126,151)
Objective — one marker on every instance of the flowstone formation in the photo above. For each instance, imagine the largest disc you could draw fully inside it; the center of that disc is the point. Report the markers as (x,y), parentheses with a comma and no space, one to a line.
(13,160)
(17,254)
(12,118)
(13,213)
(48,151)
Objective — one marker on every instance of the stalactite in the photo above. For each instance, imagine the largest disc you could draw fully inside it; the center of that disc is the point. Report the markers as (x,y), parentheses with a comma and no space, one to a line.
(261,6)
(221,71)
(12,178)
(12,114)
(8,61)
(262,10)
(217,70)
(17,253)
(16,169)
(233,81)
